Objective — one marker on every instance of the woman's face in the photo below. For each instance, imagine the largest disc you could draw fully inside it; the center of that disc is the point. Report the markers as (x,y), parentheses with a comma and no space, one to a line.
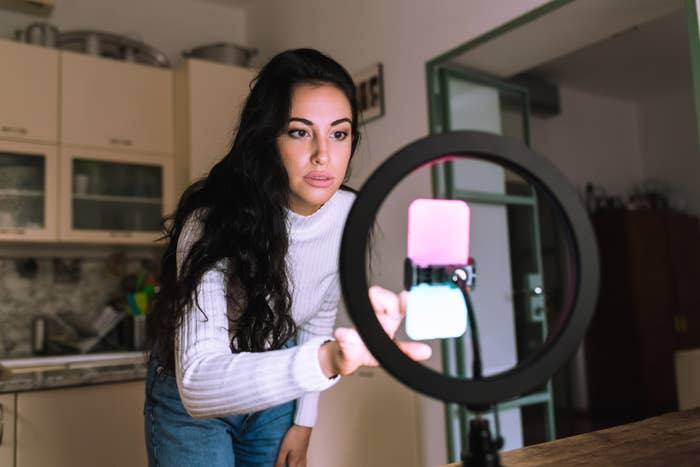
(315,145)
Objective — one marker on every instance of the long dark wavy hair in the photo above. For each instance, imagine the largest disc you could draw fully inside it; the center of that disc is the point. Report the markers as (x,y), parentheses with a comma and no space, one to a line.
(241,206)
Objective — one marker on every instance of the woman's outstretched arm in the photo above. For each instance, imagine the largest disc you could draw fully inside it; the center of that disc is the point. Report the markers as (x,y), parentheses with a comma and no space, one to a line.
(348,352)
(211,379)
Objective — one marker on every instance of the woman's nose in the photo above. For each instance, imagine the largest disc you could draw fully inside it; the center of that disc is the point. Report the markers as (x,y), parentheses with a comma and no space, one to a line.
(320,154)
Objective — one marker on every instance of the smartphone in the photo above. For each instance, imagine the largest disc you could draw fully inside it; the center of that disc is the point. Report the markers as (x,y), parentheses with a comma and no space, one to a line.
(438,235)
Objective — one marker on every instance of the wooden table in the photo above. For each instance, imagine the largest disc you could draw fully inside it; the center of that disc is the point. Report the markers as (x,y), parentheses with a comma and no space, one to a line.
(672,439)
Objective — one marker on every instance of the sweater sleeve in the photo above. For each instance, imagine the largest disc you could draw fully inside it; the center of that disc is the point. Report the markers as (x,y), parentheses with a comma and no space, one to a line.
(212,380)
(321,325)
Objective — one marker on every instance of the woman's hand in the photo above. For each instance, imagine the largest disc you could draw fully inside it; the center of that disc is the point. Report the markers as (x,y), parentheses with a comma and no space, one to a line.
(294,446)
(348,352)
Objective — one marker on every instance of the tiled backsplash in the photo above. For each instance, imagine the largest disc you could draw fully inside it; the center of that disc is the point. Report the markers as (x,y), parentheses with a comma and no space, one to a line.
(49,287)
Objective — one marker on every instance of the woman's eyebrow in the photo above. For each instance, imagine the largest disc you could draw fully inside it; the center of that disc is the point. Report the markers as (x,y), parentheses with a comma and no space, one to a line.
(310,123)
(302,120)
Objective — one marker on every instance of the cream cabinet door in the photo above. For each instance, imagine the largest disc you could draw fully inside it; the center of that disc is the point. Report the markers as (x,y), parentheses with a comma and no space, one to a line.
(28,92)
(113,197)
(116,105)
(89,426)
(7,430)
(209,97)
(28,191)
(367,419)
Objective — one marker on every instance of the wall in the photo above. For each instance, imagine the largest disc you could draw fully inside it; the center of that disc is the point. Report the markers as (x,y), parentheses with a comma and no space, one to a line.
(669,144)
(594,139)
(619,143)
(168,25)
(403,35)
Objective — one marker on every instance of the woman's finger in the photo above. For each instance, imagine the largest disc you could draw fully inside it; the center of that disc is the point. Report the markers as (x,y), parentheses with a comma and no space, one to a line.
(281,457)
(355,353)
(403,299)
(384,301)
(347,335)
(416,350)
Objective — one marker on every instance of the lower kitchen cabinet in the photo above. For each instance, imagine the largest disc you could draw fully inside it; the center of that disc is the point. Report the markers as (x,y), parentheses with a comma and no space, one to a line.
(7,430)
(367,419)
(89,426)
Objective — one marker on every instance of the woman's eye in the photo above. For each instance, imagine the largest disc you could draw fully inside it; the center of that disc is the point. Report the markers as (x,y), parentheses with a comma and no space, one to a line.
(340,135)
(298,133)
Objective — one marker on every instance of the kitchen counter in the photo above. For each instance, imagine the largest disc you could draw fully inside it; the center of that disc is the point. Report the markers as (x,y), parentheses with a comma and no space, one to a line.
(20,375)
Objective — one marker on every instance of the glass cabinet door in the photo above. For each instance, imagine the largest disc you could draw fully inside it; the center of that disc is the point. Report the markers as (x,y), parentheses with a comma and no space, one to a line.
(115,196)
(27,191)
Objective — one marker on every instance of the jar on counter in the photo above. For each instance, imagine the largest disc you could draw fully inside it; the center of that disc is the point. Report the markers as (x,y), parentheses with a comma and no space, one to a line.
(39,336)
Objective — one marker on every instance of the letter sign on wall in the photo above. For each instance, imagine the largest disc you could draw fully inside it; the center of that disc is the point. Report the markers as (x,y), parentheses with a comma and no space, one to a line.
(370,92)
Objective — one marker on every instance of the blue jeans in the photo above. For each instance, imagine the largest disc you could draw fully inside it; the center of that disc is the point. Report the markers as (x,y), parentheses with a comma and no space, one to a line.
(175,439)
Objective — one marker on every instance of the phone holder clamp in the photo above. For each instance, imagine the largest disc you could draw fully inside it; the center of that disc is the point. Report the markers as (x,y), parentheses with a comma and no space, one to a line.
(440,274)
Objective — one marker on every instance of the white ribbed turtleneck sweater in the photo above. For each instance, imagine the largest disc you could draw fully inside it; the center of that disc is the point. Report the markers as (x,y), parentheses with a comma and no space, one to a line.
(212,380)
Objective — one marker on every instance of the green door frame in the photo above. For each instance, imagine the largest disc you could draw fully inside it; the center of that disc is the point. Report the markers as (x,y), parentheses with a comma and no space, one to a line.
(453,359)
(437,71)
(437,114)
(445,72)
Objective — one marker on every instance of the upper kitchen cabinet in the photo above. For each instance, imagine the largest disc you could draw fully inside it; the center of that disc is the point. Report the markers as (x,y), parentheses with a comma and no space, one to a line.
(28,187)
(28,92)
(116,105)
(208,97)
(113,197)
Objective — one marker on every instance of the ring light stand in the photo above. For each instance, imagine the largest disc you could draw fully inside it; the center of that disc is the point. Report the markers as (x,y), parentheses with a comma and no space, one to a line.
(582,277)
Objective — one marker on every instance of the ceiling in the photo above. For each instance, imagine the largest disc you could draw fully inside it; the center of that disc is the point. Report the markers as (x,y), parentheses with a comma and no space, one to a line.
(639,63)
(570,26)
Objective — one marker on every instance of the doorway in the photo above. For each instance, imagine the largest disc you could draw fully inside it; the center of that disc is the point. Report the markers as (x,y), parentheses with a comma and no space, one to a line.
(595,56)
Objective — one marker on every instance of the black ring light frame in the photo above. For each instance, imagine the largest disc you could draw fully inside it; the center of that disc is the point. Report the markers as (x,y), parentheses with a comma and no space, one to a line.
(582,277)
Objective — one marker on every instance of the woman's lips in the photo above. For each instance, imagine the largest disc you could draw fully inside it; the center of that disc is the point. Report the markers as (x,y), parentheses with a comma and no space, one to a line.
(318,179)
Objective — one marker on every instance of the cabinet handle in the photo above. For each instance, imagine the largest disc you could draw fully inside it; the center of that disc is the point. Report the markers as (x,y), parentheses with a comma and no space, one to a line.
(12,231)
(14,129)
(120,234)
(121,141)
(2,422)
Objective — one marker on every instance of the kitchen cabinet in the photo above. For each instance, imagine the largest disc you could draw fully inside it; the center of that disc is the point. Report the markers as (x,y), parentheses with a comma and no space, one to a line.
(208,97)
(116,105)
(7,430)
(113,197)
(81,427)
(28,92)
(28,188)
(367,419)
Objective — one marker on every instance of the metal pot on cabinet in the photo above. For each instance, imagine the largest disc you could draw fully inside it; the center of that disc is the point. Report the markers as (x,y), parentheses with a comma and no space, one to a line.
(223,52)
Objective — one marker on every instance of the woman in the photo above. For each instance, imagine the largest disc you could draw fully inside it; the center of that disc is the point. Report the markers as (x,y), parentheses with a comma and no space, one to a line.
(241,328)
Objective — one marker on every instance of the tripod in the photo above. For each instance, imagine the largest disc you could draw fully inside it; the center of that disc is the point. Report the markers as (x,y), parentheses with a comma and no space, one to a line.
(483,449)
